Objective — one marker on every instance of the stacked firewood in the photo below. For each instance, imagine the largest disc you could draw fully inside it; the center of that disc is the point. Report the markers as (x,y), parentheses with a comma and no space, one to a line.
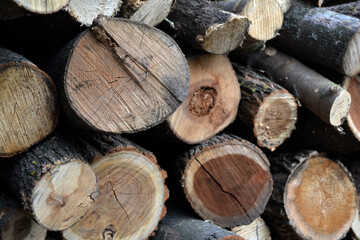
(247,109)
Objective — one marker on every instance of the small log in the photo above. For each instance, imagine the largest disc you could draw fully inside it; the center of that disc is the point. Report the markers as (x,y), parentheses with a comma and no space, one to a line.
(328,101)
(207,27)
(86,11)
(313,198)
(28,104)
(212,102)
(131,190)
(53,182)
(121,77)
(33,6)
(177,224)
(266,16)
(257,230)
(226,180)
(350,9)
(15,223)
(150,12)
(322,36)
(266,108)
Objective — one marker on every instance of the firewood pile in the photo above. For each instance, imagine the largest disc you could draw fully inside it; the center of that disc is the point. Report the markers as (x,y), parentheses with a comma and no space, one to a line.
(179,119)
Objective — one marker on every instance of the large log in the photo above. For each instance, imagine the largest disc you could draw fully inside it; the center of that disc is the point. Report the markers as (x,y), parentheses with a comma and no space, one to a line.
(150,12)
(178,224)
(266,16)
(322,36)
(266,108)
(257,230)
(53,182)
(121,77)
(327,100)
(15,223)
(212,102)
(313,198)
(226,180)
(350,9)
(33,6)
(28,104)
(131,190)
(207,27)
(86,11)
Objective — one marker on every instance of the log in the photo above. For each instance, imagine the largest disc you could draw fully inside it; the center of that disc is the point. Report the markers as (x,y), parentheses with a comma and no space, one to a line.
(212,102)
(131,190)
(33,6)
(328,101)
(121,77)
(257,230)
(350,9)
(150,12)
(266,16)
(323,37)
(15,223)
(53,182)
(313,198)
(207,27)
(285,4)
(266,108)
(86,11)
(178,224)
(28,104)
(226,180)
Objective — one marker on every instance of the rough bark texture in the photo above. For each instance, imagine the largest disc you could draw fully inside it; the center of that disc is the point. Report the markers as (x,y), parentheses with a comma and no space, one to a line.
(257,230)
(266,108)
(53,182)
(207,27)
(226,180)
(212,102)
(86,11)
(131,190)
(328,101)
(313,195)
(28,104)
(322,36)
(115,83)
(350,9)
(266,16)
(177,224)
(150,12)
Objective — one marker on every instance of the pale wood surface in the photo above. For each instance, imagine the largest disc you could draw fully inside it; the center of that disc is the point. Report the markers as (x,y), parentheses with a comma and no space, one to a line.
(42,6)
(257,230)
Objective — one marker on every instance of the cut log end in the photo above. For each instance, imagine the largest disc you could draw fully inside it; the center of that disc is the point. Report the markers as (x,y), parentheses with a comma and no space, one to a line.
(212,102)
(42,6)
(28,107)
(21,226)
(256,230)
(340,108)
(266,18)
(275,120)
(331,215)
(218,194)
(217,39)
(352,85)
(351,59)
(63,195)
(130,202)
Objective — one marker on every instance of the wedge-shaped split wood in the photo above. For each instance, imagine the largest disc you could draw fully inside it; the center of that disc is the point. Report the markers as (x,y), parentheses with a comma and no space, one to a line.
(28,104)
(257,230)
(207,27)
(150,12)
(227,180)
(313,198)
(212,102)
(122,77)
(330,102)
(131,191)
(53,182)
(266,108)
(318,35)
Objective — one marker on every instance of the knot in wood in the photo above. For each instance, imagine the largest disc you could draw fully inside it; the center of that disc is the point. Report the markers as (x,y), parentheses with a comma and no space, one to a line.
(109,232)
(202,101)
